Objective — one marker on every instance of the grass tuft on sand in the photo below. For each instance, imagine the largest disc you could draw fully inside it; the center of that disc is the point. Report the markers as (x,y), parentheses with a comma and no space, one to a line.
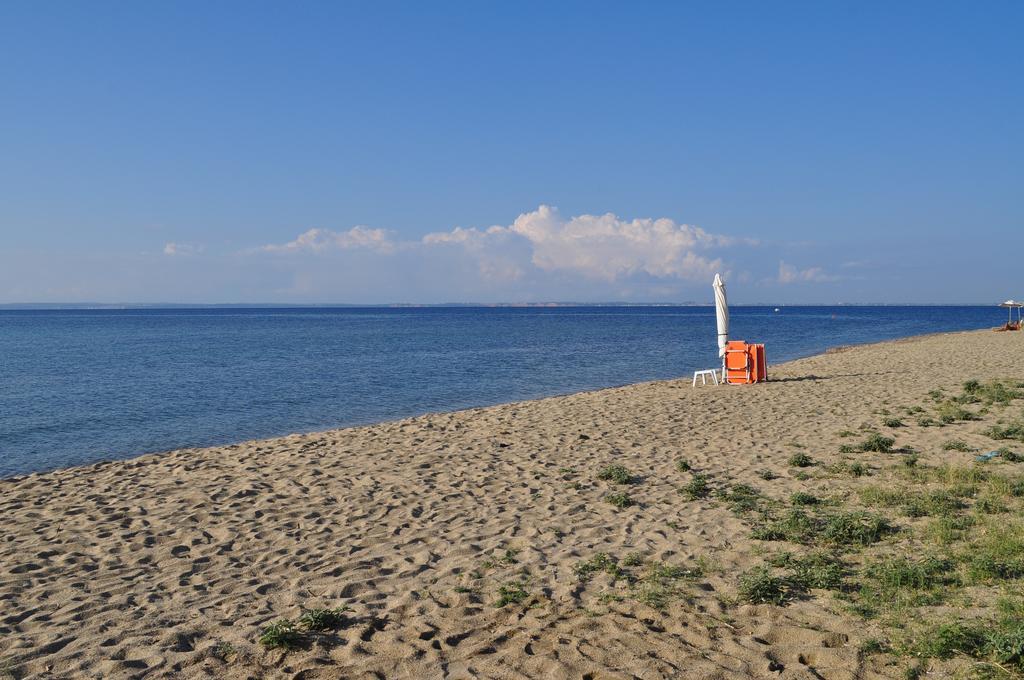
(616,473)
(698,487)
(324,619)
(620,499)
(283,634)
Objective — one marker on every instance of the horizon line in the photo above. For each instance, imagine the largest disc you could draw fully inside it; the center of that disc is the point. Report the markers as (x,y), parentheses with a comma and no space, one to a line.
(397,305)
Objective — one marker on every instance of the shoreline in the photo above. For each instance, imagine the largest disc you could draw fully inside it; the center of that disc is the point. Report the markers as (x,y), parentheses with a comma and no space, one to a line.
(229,443)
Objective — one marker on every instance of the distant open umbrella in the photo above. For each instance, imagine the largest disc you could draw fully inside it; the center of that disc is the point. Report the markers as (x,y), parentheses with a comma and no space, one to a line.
(1010,306)
(721,315)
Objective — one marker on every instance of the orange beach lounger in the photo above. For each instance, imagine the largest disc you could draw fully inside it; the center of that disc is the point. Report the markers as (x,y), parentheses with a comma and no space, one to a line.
(745,363)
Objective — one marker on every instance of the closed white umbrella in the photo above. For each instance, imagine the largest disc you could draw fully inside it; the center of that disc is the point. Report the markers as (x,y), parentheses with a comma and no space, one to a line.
(722,316)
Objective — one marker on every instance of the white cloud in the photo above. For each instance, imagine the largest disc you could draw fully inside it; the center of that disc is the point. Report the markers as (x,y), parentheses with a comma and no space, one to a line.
(540,254)
(322,240)
(601,247)
(790,274)
(471,237)
(174,249)
(494,250)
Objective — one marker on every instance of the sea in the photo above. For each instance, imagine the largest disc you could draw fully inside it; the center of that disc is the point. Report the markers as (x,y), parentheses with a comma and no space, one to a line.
(85,385)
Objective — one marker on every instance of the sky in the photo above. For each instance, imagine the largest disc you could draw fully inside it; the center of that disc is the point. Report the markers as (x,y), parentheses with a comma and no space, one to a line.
(249,152)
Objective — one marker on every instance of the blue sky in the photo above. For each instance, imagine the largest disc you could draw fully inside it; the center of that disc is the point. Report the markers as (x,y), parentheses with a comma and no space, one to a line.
(478,151)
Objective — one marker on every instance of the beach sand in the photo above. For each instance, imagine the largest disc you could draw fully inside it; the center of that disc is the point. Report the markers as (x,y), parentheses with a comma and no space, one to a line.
(169,565)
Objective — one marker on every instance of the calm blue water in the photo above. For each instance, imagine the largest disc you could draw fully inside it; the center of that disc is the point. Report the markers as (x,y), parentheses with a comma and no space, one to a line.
(81,386)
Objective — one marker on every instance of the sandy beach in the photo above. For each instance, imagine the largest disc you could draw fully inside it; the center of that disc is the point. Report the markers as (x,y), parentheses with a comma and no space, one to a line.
(171,565)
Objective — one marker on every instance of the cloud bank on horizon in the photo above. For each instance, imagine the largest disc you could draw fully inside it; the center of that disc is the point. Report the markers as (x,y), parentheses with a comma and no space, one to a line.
(538,256)
(321,240)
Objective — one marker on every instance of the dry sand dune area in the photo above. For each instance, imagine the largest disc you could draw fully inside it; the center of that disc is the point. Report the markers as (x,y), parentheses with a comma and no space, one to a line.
(831,523)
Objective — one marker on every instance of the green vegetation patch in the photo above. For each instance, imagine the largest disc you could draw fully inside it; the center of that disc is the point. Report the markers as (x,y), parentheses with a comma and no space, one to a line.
(511,592)
(850,529)
(616,473)
(912,503)
(949,412)
(599,563)
(974,539)
(742,498)
(854,528)
(760,586)
(856,469)
(996,551)
(819,569)
(633,559)
(288,634)
(995,392)
(324,619)
(944,640)
(510,556)
(957,445)
(698,487)
(878,443)
(1009,455)
(795,526)
(659,585)
(620,499)
(655,585)
(894,584)
(875,442)
(283,634)
(949,528)
(800,460)
(998,644)
(902,573)
(1012,431)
